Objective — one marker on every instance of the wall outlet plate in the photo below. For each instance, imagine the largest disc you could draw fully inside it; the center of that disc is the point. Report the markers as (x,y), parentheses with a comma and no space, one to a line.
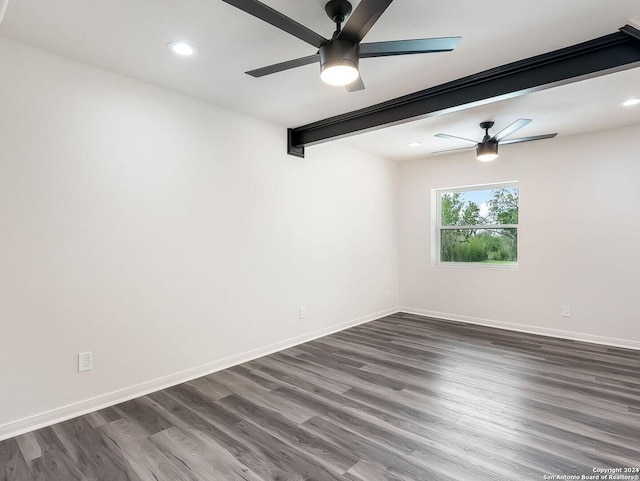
(566,311)
(85,361)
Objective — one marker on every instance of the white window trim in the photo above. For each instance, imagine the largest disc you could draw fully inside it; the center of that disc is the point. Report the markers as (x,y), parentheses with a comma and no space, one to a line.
(436,213)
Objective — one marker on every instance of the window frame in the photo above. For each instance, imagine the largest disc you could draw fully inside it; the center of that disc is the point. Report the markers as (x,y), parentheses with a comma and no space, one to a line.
(437,227)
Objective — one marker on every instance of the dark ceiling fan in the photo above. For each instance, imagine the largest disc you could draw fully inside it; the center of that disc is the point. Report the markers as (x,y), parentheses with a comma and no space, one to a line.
(339,56)
(487,148)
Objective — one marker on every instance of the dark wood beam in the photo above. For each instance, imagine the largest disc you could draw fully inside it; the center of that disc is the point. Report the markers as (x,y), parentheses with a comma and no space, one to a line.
(611,53)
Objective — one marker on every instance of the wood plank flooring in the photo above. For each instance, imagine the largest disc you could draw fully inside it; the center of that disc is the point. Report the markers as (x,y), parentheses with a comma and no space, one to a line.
(404,398)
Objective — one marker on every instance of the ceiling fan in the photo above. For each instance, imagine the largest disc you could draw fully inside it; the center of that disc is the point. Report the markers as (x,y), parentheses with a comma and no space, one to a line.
(339,55)
(487,148)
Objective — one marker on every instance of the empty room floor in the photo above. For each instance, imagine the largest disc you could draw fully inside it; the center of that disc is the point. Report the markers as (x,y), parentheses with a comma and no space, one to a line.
(401,398)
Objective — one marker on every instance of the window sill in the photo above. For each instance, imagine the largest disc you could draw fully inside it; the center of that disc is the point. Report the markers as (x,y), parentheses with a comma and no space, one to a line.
(478,265)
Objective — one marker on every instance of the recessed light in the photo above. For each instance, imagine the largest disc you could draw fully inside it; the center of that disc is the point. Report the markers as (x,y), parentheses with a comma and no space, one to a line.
(414,144)
(631,102)
(182,48)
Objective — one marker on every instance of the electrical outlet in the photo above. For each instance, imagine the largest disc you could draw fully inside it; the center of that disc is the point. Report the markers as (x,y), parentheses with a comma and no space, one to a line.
(387,293)
(303,312)
(566,311)
(85,361)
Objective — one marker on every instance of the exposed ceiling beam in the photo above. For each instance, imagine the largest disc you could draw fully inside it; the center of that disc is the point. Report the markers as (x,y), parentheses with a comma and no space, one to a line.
(611,53)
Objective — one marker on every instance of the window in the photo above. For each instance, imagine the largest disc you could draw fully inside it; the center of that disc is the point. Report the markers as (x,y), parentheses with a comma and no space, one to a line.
(477,225)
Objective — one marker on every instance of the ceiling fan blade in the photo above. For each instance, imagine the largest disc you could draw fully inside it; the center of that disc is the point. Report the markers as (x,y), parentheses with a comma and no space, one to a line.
(517,125)
(452,150)
(278,20)
(356,85)
(406,47)
(453,137)
(279,67)
(362,19)
(529,139)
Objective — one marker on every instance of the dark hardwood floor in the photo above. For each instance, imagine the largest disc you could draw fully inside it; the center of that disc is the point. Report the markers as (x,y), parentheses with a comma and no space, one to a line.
(401,398)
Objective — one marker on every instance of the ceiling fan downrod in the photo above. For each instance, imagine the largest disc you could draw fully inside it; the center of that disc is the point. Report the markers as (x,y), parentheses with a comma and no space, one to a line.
(337,11)
(486,126)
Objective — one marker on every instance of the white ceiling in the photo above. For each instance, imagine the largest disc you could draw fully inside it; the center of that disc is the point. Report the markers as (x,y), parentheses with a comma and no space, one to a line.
(130,37)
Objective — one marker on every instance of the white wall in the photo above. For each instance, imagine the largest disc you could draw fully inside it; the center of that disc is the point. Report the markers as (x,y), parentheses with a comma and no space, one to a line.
(167,236)
(579,239)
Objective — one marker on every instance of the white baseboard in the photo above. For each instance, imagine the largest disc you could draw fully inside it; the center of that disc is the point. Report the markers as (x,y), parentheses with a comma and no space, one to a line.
(81,408)
(543,331)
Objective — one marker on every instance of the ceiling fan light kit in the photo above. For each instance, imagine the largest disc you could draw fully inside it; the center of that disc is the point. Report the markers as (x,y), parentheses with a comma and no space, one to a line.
(486,152)
(339,62)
